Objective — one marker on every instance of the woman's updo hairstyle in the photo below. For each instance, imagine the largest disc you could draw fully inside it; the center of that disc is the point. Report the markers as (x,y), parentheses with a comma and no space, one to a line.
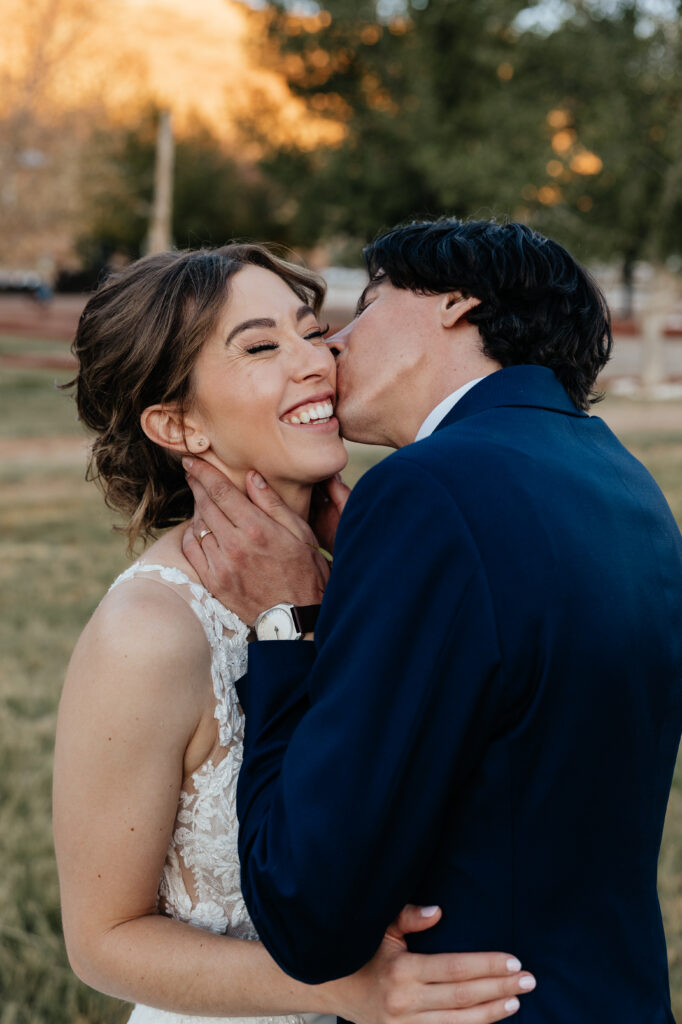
(137,341)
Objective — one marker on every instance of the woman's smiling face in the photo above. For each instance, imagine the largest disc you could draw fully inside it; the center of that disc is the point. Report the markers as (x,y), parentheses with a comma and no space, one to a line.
(265,385)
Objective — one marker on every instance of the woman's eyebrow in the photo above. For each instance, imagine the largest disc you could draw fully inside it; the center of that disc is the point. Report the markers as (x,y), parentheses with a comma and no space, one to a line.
(262,322)
(267,321)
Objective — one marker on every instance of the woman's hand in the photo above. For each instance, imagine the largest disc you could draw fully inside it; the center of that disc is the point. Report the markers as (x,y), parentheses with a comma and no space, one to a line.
(398,987)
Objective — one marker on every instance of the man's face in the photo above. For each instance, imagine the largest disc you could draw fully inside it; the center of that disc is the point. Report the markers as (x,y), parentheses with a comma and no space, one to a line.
(380,354)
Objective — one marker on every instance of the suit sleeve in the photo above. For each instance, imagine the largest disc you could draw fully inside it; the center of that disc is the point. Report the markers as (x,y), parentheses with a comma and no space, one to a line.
(353,751)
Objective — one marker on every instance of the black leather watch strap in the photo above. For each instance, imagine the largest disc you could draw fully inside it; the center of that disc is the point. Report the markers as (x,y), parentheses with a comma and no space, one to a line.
(305,616)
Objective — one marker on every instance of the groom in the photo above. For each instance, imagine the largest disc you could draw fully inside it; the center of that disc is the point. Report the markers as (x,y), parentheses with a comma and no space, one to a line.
(490,715)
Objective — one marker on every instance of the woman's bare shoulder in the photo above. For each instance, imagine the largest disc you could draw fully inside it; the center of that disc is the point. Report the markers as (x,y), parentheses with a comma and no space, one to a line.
(143,643)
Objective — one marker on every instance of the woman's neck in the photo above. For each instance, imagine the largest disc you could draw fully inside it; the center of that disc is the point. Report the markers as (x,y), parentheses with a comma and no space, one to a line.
(295,496)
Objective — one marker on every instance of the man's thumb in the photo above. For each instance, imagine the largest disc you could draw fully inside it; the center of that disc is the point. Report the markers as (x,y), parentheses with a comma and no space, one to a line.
(268,500)
(338,492)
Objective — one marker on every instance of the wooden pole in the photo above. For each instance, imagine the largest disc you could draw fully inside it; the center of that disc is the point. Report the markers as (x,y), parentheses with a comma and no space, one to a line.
(657,307)
(159,238)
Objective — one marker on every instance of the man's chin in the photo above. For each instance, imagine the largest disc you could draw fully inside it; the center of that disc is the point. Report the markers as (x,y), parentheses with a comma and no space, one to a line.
(356,428)
(363,436)
(348,432)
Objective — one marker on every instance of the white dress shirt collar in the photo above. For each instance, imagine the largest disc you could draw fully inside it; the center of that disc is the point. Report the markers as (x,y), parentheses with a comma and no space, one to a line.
(443,408)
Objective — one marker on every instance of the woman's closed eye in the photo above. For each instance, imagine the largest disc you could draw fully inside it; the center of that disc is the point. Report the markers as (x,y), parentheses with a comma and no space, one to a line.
(270,346)
(263,346)
(319,332)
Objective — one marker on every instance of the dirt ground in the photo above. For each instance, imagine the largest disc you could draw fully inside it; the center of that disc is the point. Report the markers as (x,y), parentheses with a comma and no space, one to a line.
(641,417)
(72,450)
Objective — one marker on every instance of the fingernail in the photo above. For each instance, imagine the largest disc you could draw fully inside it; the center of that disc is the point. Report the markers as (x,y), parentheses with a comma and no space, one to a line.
(528,983)
(187,462)
(428,911)
(513,965)
(511,1005)
(258,480)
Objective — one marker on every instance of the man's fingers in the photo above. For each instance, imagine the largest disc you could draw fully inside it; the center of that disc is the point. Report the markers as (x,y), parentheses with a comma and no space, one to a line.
(204,534)
(214,516)
(338,492)
(211,487)
(194,552)
(268,500)
(444,967)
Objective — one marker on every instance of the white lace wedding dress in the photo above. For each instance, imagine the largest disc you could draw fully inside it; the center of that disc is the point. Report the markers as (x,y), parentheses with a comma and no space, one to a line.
(200,882)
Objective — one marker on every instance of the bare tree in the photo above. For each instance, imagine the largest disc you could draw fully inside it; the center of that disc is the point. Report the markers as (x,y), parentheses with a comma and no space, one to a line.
(40,140)
(159,238)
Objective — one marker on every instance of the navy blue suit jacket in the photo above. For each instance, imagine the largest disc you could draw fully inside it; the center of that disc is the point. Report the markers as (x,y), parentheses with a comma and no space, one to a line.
(489,718)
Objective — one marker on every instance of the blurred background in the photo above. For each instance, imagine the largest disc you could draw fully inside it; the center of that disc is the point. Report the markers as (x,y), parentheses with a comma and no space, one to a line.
(135,125)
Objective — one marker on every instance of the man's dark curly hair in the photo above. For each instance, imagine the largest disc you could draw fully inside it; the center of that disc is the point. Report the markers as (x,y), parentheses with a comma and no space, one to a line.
(538,305)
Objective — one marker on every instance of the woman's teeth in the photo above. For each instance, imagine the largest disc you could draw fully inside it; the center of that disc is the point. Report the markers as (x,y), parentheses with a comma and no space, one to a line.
(320,413)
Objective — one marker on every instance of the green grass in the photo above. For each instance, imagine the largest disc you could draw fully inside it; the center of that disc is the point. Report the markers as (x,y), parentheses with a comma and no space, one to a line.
(32,406)
(58,554)
(33,346)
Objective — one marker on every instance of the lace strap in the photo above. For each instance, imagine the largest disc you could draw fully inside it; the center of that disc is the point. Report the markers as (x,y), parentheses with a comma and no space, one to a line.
(171,574)
(226,635)
(168,573)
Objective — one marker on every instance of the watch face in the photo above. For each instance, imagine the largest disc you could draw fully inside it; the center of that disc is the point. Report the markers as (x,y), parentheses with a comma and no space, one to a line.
(277,624)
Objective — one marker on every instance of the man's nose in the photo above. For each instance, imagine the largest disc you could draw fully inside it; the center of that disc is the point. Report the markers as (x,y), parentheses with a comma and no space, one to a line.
(337,343)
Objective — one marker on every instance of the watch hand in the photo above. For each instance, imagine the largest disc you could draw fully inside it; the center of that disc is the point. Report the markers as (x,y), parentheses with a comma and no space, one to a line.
(276,632)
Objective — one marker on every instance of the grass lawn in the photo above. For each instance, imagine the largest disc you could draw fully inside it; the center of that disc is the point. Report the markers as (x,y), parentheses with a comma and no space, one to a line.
(57,556)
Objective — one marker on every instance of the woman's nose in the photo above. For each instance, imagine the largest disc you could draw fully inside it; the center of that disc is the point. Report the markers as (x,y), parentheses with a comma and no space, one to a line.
(314,360)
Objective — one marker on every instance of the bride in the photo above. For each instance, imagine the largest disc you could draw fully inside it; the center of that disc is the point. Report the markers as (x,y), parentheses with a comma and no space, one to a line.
(219,353)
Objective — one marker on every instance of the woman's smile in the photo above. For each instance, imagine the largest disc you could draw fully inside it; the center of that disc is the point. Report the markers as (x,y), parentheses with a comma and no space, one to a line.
(315,411)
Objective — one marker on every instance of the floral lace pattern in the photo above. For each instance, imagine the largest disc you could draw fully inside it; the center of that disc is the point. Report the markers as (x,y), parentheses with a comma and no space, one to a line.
(201,880)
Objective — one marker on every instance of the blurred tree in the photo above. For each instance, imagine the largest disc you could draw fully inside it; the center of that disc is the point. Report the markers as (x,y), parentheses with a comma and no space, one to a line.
(215,197)
(423,91)
(572,123)
(611,185)
(40,147)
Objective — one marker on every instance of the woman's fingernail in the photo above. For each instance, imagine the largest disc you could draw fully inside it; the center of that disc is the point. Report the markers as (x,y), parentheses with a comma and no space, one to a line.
(513,965)
(258,480)
(528,983)
(187,462)
(511,1005)
(428,911)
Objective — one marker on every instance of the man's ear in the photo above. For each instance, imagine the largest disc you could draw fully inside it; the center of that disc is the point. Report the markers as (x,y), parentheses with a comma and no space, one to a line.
(166,426)
(454,306)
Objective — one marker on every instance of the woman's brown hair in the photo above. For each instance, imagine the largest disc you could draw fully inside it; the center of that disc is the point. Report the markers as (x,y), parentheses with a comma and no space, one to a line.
(137,341)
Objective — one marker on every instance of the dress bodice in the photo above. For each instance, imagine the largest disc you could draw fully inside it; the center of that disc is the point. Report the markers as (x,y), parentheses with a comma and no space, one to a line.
(200,881)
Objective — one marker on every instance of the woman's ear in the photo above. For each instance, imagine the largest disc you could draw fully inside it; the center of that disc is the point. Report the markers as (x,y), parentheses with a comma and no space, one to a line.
(454,306)
(166,426)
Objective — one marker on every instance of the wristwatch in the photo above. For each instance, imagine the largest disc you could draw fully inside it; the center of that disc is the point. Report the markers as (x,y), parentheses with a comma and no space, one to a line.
(286,621)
